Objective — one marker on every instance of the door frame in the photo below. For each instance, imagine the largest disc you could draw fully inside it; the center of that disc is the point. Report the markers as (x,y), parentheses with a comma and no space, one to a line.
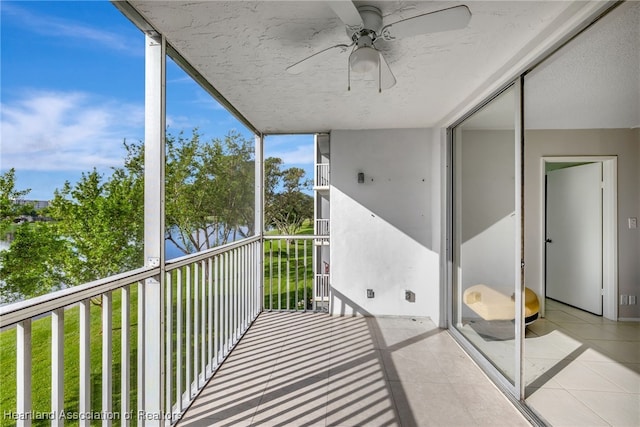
(609,228)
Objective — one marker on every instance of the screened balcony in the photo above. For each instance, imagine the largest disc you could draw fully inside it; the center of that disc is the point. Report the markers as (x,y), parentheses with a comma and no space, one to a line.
(322,177)
(227,360)
(231,336)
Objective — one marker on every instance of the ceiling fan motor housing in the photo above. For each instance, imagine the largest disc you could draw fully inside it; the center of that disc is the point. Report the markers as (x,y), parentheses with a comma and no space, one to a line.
(371,23)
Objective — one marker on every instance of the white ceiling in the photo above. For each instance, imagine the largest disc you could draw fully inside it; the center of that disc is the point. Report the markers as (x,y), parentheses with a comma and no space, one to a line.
(243,49)
(594,81)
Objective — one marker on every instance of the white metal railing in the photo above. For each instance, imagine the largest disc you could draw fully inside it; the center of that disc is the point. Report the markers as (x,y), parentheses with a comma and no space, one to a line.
(321,292)
(290,266)
(322,226)
(322,175)
(210,299)
(22,316)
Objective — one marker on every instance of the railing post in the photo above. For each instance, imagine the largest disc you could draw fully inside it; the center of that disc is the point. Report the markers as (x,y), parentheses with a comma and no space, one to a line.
(107,345)
(57,366)
(152,402)
(259,216)
(23,369)
(179,335)
(85,361)
(195,341)
(168,358)
(188,325)
(125,352)
(210,311)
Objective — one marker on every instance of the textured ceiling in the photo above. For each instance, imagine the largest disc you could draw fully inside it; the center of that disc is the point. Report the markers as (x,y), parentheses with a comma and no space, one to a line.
(243,49)
(593,81)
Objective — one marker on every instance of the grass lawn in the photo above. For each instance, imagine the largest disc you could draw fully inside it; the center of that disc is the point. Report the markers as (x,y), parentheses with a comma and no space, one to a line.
(288,272)
(41,361)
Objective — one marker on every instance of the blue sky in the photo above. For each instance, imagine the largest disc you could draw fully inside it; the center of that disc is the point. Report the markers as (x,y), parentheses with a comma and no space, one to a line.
(72,89)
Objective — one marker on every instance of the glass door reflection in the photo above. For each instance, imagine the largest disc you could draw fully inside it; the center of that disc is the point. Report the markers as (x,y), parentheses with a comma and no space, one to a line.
(486,232)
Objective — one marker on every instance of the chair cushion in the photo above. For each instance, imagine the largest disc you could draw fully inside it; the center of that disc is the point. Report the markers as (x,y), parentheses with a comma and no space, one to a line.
(490,304)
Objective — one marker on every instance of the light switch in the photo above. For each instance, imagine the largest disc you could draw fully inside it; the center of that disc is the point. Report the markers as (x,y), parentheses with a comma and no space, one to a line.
(633,222)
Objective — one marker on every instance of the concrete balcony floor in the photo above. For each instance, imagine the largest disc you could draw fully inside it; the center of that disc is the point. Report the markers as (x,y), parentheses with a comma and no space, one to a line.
(310,369)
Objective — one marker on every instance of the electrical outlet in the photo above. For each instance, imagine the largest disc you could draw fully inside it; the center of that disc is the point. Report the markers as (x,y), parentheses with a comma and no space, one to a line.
(632,300)
(624,299)
(633,223)
(370,293)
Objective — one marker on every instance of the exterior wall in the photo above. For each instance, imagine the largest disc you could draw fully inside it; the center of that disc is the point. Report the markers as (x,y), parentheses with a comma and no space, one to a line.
(624,143)
(385,232)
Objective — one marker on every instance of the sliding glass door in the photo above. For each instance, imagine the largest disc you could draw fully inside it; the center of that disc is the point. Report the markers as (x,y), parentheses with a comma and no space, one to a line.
(581,108)
(486,279)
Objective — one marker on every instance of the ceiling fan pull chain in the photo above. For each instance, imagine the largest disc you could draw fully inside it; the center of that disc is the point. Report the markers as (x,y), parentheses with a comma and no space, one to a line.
(349,77)
(379,75)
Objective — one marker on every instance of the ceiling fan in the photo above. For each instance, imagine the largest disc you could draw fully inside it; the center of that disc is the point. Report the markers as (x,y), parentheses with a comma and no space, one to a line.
(365,28)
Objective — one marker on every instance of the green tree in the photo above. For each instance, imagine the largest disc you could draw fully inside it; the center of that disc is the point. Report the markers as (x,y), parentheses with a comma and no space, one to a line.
(209,191)
(209,188)
(9,209)
(97,226)
(102,221)
(288,209)
(34,264)
(96,231)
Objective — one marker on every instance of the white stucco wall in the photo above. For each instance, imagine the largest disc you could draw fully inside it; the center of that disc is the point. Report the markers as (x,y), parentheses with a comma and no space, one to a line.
(385,233)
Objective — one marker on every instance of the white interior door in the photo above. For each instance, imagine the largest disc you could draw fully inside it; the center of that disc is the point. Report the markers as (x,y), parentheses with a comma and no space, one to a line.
(574,236)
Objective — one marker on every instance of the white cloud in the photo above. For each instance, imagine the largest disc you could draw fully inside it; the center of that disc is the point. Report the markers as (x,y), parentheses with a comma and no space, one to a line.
(301,155)
(178,123)
(292,149)
(55,131)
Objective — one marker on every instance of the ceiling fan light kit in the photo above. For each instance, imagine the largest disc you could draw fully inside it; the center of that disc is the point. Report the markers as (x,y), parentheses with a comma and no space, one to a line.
(364,59)
(364,27)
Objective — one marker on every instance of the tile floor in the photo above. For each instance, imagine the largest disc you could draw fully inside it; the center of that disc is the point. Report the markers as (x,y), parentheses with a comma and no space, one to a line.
(295,369)
(583,370)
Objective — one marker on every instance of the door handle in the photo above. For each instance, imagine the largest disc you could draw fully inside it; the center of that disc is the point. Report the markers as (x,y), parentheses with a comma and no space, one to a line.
(549,241)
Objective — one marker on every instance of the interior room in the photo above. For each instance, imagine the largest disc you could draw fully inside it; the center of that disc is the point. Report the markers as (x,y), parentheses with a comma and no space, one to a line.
(583,354)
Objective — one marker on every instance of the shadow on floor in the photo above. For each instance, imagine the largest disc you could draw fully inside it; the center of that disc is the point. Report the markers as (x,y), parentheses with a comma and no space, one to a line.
(312,369)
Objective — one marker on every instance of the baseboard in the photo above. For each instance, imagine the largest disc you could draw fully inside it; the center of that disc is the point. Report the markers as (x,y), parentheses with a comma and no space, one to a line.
(628,319)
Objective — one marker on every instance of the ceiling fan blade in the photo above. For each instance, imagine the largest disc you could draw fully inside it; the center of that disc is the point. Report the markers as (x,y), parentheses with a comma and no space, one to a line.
(315,59)
(347,12)
(453,18)
(387,79)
